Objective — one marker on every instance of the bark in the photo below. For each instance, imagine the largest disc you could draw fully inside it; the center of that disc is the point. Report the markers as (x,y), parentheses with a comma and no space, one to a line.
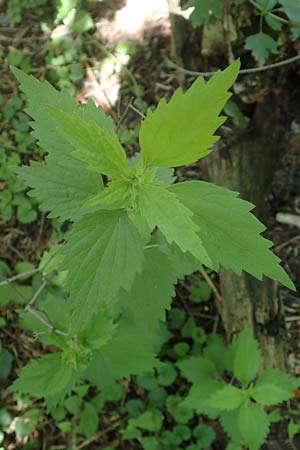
(246,164)
(185,41)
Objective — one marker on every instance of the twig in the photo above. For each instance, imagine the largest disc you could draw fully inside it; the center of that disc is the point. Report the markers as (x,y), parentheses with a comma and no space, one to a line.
(101,433)
(212,285)
(290,219)
(137,111)
(280,19)
(45,322)
(226,29)
(36,295)
(18,276)
(124,114)
(284,244)
(30,272)
(241,72)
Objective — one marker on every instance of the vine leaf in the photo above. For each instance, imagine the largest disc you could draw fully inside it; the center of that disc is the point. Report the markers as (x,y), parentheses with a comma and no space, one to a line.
(292,9)
(203,10)
(229,232)
(182,131)
(262,45)
(103,254)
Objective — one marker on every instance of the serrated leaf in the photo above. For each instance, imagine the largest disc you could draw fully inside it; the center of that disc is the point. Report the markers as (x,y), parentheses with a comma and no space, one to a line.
(182,131)
(217,352)
(229,232)
(161,208)
(196,368)
(270,394)
(262,46)
(122,356)
(49,377)
(94,145)
(149,421)
(116,195)
(198,395)
(152,290)
(88,424)
(62,183)
(203,10)
(233,446)
(103,254)
(247,357)
(253,425)
(205,436)
(229,422)
(226,399)
(282,380)
(99,330)
(44,125)
(61,187)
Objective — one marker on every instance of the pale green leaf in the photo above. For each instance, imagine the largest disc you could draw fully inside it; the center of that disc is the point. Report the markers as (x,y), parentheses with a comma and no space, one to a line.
(262,46)
(199,394)
(270,394)
(116,195)
(229,232)
(226,399)
(103,255)
(253,424)
(161,208)
(282,380)
(94,145)
(229,422)
(182,131)
(247,357)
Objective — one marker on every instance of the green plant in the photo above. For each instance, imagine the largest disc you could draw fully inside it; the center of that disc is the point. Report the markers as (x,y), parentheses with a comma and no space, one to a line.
(237,400)
(131,240)
(265,42)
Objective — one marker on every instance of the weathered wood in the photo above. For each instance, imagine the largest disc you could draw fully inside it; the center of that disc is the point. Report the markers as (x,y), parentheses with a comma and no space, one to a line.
(245,162)
(185,40)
